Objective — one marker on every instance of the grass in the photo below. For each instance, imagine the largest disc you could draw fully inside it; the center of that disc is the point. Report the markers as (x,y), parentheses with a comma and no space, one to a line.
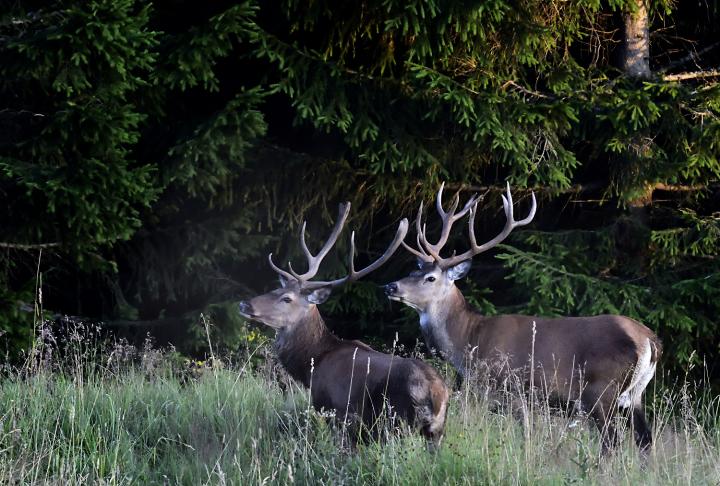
(143,417)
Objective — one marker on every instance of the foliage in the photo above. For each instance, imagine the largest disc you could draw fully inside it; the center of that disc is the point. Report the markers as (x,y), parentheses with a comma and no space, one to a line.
(69,76)
(158,151)
(16,321)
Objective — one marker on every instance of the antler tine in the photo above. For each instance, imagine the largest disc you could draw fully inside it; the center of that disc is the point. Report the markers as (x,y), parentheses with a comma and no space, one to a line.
(421,256)
(418,220)
(468,206)
(417,240)
(355,275)
(303,244)
(295,275)
(453,205)
(305,249)
(315,260)
(510,224)
(351,262)
(471,225)
(438,200)
(448,218)
(419,229)
(508,204)
(530,216)
(280,270)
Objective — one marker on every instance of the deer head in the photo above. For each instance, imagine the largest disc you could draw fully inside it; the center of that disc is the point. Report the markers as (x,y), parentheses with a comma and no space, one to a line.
(434,281)
(288,305)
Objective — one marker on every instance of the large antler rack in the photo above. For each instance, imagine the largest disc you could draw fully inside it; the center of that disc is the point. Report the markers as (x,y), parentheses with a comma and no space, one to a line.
(314,261)
(430,253)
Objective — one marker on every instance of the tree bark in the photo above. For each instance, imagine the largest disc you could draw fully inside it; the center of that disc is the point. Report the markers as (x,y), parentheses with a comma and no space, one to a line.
(636,64)
(636,55)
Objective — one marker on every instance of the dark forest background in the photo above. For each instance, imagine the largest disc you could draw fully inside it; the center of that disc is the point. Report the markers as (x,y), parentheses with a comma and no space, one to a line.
(153,153)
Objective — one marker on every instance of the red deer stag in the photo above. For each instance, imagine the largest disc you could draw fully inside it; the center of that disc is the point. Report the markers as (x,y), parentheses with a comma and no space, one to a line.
(605,360)
(347,377)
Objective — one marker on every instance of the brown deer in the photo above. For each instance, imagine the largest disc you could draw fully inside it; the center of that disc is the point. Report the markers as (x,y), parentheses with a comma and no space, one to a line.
(600,363)
(346,377)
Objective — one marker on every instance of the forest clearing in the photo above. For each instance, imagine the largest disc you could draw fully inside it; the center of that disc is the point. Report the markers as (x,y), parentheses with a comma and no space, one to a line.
(182,303)
(145,416)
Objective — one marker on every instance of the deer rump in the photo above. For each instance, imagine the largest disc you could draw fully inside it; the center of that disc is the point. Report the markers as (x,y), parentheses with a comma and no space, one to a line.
(359,383)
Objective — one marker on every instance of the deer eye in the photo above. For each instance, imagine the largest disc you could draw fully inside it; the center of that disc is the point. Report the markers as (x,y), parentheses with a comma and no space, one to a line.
(430,279)
(287,300)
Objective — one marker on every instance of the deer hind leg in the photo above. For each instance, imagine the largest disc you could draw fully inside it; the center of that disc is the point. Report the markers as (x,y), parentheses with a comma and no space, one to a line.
(642,432)
(433,430)
(599,405)
(430,417)
(632,396)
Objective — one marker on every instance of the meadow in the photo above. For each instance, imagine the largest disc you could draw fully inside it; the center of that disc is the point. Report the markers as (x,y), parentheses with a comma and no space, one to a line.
(117,414)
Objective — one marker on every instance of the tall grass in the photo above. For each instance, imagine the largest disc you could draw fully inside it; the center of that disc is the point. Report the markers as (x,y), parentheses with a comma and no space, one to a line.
(129,416)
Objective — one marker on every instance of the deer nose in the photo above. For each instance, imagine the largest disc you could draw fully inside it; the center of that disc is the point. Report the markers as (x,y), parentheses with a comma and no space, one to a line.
(245,308)
(391,288)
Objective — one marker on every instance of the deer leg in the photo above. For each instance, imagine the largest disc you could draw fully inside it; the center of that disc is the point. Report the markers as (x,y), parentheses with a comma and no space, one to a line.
(458,381)
(599,406)
(643,434)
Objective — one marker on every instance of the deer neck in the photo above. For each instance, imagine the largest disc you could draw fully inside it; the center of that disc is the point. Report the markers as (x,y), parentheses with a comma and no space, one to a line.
(304,345)
(445,326)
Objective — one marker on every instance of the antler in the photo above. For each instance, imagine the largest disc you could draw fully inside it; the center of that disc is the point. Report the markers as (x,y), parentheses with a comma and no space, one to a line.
(431,253)
(355,275)
(427,251)
(448,218)
(315,260)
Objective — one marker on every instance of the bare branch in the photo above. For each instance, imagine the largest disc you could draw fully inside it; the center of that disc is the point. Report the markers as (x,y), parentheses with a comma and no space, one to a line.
(28,247)
(711,73)
(693,56)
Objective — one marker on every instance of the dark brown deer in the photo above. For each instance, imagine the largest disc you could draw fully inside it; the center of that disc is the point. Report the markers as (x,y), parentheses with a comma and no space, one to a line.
(604,361)
(346,377)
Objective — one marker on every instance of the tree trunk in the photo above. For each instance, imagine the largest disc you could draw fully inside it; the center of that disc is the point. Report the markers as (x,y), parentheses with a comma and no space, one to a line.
(636,64)
(636,54)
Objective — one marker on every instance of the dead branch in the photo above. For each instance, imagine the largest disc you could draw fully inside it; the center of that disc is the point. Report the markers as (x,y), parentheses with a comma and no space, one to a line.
(711,73)
(693,56)
(28,247)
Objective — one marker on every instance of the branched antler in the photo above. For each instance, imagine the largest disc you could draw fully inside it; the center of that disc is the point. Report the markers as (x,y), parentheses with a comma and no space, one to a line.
(429,253)
(314,261)
(356,275)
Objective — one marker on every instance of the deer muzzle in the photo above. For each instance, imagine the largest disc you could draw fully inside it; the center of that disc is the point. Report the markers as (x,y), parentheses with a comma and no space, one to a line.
(246,309)
(391,289)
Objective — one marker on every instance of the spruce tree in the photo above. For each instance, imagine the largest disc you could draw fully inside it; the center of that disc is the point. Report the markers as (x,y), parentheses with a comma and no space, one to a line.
(563,98)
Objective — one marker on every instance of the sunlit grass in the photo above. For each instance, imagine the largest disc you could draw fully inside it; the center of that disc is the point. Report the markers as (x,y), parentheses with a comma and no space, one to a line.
(150,418)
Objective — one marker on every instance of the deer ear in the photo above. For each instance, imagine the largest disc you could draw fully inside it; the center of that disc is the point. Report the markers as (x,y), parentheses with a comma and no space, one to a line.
(420,263)
(283,281)
(318,296)
(459,271)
